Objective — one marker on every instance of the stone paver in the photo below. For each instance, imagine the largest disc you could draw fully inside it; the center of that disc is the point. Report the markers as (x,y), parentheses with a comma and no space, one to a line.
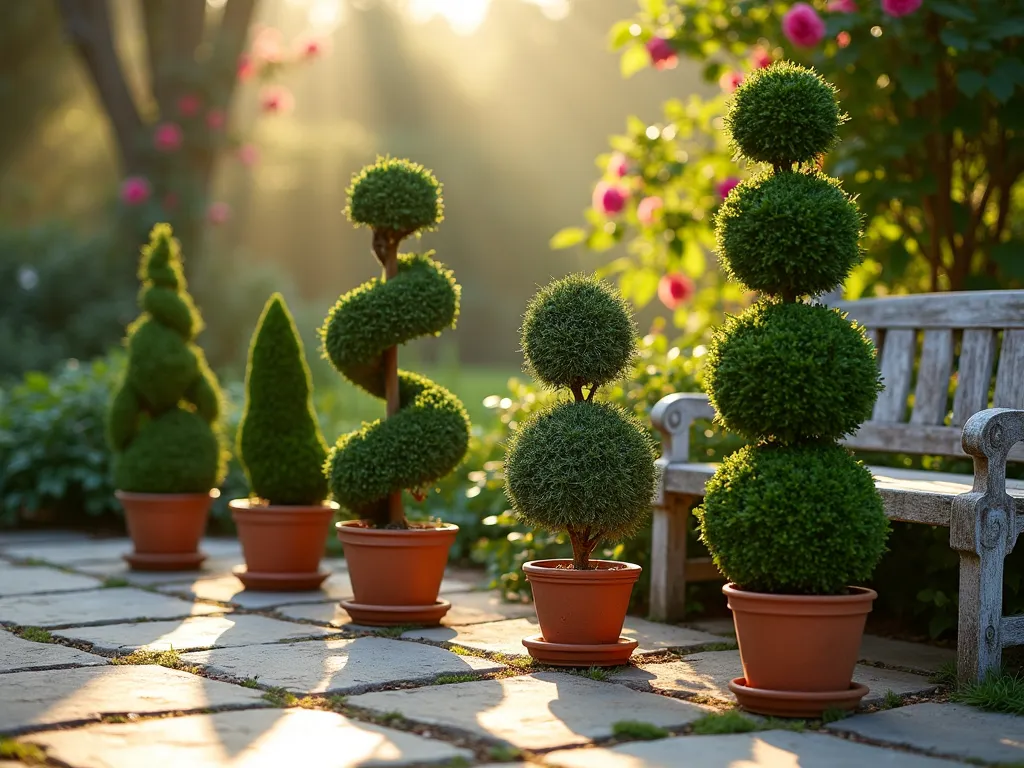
(75,552)
(32,700)
(539,711)
(339,666)
(266,738)
(899,653)
(709,674)
(946,729)
(507,636)
(98,606)
(17,655)
(34,579)
(768,749)
(190,634)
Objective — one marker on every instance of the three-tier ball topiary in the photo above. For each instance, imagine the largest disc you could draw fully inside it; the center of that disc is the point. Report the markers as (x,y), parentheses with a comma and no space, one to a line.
(580,466)
(280,444)
(793,512)
(426,432)
(163,420)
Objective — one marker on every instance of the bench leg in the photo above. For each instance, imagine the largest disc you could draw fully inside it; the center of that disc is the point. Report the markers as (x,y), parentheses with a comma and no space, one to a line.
(979,646)
(668,558)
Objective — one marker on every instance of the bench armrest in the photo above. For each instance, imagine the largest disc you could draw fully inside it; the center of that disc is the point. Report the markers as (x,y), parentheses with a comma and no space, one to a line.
(673,416)
(986,514)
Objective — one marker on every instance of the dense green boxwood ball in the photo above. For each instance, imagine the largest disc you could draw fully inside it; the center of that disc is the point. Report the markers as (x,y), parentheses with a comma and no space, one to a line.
(790,371)
(280,444)
(397,196)
(789,234)
(784,114)
(585,465)
(578,331)
(793,520)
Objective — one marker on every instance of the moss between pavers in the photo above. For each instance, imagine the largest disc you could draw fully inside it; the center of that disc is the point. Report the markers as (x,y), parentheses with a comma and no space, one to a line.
(635,730)
(16,750)
(170,659)
(35,634)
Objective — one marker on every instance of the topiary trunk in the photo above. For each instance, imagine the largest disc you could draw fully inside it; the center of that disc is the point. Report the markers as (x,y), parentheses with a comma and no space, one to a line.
(280,444)
(163,420)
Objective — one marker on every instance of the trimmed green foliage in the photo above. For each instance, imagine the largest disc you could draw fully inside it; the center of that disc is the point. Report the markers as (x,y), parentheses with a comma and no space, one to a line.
(789,234)
(784,114)
(732,721)
(802,519)
(279,440)
(35,634)
(637,729)
(788,372)
(163,419)
(396,196)
(582,466)
(578,332)
(998,692)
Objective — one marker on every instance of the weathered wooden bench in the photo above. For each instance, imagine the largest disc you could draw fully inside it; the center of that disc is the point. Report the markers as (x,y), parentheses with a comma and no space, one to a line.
(953,366)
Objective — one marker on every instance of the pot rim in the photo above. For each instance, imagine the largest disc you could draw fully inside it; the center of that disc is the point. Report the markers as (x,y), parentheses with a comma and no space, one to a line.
(213,493)
(245,506)
(860,594)
(545,571)
(356,528)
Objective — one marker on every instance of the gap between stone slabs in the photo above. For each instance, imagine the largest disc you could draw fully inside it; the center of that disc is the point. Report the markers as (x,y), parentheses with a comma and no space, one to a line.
(99,606)
(20,655)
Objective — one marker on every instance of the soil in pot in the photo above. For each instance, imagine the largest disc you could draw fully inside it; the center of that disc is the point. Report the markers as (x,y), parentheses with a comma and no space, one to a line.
(283,545)
(165,529)
(396,573)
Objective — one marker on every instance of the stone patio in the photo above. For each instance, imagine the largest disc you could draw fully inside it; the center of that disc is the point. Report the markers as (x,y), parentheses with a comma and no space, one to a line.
(260,679)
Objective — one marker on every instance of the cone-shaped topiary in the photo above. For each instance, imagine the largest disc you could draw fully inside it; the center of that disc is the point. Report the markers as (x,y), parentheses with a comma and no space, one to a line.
(163,421)
(793,513)
(426,433)
(280,444)
(584,467)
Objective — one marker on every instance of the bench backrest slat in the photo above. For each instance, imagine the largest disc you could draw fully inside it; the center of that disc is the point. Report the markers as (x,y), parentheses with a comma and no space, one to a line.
(932,392)
(1010,379)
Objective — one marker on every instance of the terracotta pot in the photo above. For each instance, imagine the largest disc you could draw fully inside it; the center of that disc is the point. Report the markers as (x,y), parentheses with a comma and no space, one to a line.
(802,643)
(166,528)
(396,574)
(581,607)
(282,545)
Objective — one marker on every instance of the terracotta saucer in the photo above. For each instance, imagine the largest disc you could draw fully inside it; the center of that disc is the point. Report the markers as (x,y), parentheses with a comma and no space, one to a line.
(795,703)
(566,655)
(279,582)
(396,615)
(174,561)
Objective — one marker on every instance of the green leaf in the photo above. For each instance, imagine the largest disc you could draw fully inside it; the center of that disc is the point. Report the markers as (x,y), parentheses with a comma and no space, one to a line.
(654,7)
(1001,86)
(954,39)
(619,34)
(567,238)
(917,81)
(970,81)
(951,10)
(600,240)
(633,60)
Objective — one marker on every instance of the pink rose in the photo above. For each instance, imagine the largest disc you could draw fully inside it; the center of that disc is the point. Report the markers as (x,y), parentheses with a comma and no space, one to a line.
(761,59)
(310,48)
(167,137)
(842,6)
(726,185)
(843,39)
(248,154)
(267,45)
(610,199)
(135,190)
(675,289)
(647,207)
(216,119)
(803,26)
(246,67)
(275,99)
(189,104)
(218,213)
(730,81)
(618,165)
(663,54)
(897,8)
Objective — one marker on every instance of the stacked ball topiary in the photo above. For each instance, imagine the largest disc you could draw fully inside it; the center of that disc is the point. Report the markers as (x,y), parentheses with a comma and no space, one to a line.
(279,441)
(582,466)
(163,421)
(793,512)
(427,434)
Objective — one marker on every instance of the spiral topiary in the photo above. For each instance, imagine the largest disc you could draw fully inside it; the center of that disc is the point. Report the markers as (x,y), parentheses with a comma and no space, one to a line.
(426,433)
(163,420)
(794,512)
(582,466)
(280,444)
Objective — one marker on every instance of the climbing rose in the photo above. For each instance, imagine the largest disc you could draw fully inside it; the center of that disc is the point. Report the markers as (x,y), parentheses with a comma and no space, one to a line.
(310,48)
(167,137)
(246,67)
(663,55)
(730,81)
(675,289)
(842,6)
(726,185)
(843,38)
(761,58)
(267,45)
(647,207)
(218,213)
(276,99)
(189,104)
(618,165)
(610,198)
(135,190)
(215,119)
(803,26)
(899,8)
(248,154)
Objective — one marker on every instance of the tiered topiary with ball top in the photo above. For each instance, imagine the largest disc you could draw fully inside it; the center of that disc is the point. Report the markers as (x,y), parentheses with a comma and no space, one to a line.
(283,527)
(580,466)
(396,567)
(163,421)
(793,520)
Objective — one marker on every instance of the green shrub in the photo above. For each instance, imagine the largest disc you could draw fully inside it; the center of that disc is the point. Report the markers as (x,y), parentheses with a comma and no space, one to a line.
(163,421)
(796,513)
(279,440)
(427,437)
(816,373)
(585,467)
